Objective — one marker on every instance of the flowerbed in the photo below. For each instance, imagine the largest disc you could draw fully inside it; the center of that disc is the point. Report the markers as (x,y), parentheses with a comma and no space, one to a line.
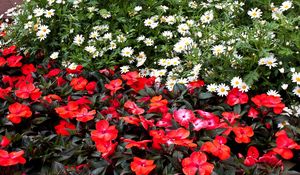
(73,121)
(154,87)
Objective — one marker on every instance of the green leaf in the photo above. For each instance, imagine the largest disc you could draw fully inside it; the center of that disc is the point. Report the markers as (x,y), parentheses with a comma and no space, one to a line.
(251,77)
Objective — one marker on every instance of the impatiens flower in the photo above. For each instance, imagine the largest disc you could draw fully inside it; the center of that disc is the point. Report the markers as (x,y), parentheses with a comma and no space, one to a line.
(269,102)
(4,141)
(28,90)
(217,148)
(53,73)
(79,83)
(69,111)
(133,108)
(12,158)
(2,61)
(9,50)
(271,159)
(28,69)
(253,113)
(49,98)
(142,166)
(207,121)
(243,134)
(104,132)
(84,115)
(91,87)
(236,97)
(64,128)
(252,156)
(132,120)
(179,137)
(18,111)
(197,162)
(114,86)
(157,104)
(14,61)
(184,117)
(4,92)
(139,144)
(285,145)
(106,148)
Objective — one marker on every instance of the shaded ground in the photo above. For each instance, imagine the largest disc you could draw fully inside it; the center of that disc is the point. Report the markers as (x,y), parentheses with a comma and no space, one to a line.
(6,4)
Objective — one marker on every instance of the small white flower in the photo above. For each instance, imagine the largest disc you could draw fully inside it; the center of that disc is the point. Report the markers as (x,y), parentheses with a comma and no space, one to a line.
(112,45)
(236,82)
(183,29)
(124,69)
(207,17)
(121,38)
(127,52)
(72,66)
(269,61)
(94,35)
(292,69)
(296,77)
(54,55)
(149,42)
(170,84)
(212,87)
(90,49)
(49,13)
(244,87)
(38,12)
(273,93)
(222,90)
(141,38)
(78,40)
(286,5)
(255,13)
(281,70)
(284,86)
(218,50)
(41,35)
(45,29)
(296,91)
(138,8)
(167,34)
(171,20)
(283,124)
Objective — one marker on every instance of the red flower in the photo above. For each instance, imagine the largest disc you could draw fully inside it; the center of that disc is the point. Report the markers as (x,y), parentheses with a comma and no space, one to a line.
(136,82)
(77,70)
(253,113)
(28,69)
(132,120)
(84,115)
(179,137)
(195,84)
(9,50)
(184,117)
(208,121)
(243,134)
(64,128)
(133,108)
(17,111)
(2,61)
(104,132)
(114,86)
(106,148)
(130,77)
(285,145)
(4,141)
(140,144)
(236,97)
(13,158)
(69,111)
(27,90)
(49,98)
(4,92)
(269,101)
(142,166)
(14,61)
(146,123)
(79,83)
(217,148)
(197,162)
(252,155)
(91,87)
(53,73)
(157,104)
(271,159)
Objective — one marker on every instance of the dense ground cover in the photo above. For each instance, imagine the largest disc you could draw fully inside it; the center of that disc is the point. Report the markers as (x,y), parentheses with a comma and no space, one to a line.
(153,87)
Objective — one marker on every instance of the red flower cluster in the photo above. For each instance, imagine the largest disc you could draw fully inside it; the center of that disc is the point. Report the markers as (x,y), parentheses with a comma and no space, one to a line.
(64,128)
(269,102)
(28,90)
(285,145)
(136,82)
(217,148)
(76,109)
(142,166)
(103,136)
(13,158)
(236,97)
(243,134)
(197,162)
(18,111)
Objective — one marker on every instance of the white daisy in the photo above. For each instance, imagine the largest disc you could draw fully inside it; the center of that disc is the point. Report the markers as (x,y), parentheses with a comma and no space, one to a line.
(273,93)
(207,17)
(222,89)
(45,29)
(127,52)
(149,42)
(218,50)
(49,13)
(255,13)
(236,82)
(170,84)
(54,55)
(244,87)
(296,77)
(90,49)
(41,35)
(286,5)
(183,29)
(167,34)
(284,86)
(138,8)
(94,35)
(38,12)
(296,91)
(124,69)
(212,87)
(78,40)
